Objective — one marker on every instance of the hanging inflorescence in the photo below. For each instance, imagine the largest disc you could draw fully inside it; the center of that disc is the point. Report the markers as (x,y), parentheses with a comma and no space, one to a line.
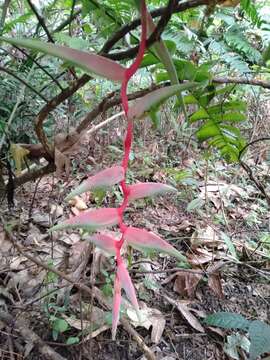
(96,220)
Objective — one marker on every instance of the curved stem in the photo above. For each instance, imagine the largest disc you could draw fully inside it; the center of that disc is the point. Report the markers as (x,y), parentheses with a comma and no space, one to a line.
(129,135)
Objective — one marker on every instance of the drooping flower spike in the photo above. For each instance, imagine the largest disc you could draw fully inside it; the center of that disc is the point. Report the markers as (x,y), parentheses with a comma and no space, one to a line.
(95,220)
(122,275)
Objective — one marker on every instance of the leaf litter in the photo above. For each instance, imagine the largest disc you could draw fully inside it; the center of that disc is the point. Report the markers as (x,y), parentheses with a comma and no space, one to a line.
(173,303)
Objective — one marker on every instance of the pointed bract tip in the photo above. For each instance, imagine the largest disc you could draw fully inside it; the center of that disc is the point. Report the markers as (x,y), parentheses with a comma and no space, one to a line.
(90,220)
(102,180)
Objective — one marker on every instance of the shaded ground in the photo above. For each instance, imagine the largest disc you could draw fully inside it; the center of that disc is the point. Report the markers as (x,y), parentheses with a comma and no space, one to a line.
(175,299)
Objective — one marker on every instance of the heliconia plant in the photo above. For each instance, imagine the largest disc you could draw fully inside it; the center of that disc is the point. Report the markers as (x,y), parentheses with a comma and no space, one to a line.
(98,219)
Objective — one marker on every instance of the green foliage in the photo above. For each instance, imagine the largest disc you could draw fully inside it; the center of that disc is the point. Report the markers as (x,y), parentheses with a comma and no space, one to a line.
(218,121)
(259,332)
(238,42)
(250,9)
(227,320)
(59,326)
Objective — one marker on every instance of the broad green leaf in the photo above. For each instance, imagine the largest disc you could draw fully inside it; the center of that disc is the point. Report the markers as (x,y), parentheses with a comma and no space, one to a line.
(227,320)
(144,104)
(195,204)
(190,99)
(231,131)
(207,131)
(86,61)
(60,325)
(230,116)
(90,220)
(259,334)
(199,115)
(148,60)
(234,342)
(222,107)
(73,340)
(230,244)
(101,180)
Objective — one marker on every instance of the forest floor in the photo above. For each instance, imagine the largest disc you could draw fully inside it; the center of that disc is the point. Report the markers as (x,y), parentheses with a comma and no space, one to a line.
(219,220)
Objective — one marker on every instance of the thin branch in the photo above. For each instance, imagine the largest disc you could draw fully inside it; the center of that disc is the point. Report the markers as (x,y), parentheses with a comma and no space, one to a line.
(40,66)
(252,143)
(40,20)
(4,14)
(33,175)
(71,15)
(109,102)
(155,36)
(106,12)
(67,21)
(105,122)
(249,171)
(50,106)
(58,76)
(30,87)
(231,80)
(155,13)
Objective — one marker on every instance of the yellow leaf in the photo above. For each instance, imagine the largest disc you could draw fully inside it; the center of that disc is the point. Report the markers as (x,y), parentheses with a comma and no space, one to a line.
(18,153)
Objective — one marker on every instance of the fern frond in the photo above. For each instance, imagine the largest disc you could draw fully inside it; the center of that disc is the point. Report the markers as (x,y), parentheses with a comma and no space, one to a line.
(237,42)
(236,63)
(218,127)
(183,43)
(249,8)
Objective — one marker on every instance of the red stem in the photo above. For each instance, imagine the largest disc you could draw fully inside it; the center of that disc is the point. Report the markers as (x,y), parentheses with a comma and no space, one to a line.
(129,135)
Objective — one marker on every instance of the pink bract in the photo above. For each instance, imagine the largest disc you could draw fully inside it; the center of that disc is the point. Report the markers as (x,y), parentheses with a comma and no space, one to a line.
(141,190)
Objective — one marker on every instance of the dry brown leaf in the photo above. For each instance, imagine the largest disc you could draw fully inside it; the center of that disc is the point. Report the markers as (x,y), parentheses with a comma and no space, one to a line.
(5,244)
(98,318)
(186,283)
(16,262)
(75,211)
(42,219)
(149,317)
(56,211)
(78,203)
(217,330)
(214,282)
(70,239)
(200,256)
(77,323)
(184,310)
(79,251)
(205,236)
